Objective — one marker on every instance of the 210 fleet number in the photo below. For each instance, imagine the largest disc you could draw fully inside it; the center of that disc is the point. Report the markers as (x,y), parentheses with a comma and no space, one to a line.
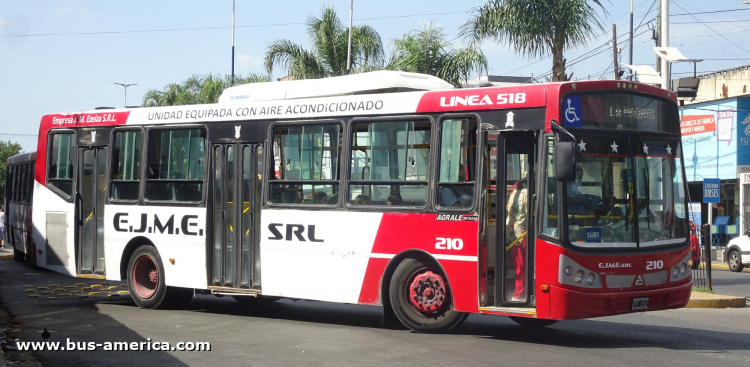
(444,243)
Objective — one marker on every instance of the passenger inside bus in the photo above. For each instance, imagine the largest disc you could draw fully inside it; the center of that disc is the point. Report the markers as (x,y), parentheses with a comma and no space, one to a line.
(395,197)
(321,197)
(515,239)
(362,200)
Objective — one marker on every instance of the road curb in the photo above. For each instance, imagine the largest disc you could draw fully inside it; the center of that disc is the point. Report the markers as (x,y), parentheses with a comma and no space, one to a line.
(6,257)
(709,300)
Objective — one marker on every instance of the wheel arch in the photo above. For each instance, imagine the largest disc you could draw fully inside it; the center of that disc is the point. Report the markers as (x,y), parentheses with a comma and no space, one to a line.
(385,282)
(134,243)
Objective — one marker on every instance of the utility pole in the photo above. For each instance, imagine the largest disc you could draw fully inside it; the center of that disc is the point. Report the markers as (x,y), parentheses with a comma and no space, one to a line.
(349,47)
(664,37)
(232,42)
(614,51)
(658,36)
(630,58)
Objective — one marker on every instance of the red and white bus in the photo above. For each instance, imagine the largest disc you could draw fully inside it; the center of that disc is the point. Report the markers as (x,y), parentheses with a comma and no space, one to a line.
(541,202)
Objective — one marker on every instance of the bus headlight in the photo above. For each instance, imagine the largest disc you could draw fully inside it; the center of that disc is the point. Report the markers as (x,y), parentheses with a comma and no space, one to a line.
(590,278)
(568,270)
(683,268)
(675,272)
(579,276)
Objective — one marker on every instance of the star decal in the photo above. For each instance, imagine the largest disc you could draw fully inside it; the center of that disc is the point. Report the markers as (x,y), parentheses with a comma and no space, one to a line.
(582,145)
(669,150)
(645,148)
(614,147)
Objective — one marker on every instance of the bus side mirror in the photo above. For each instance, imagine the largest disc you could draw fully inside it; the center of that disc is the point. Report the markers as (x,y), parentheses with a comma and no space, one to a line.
(565,161)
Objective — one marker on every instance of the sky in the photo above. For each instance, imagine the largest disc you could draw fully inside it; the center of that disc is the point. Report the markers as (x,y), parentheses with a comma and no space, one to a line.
(65,55)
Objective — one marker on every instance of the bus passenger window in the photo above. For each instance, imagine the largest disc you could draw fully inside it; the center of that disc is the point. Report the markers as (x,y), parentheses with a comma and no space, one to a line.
(126,165)
(60,164)
(458,143)
(390,163)
(306,165)
(176,165)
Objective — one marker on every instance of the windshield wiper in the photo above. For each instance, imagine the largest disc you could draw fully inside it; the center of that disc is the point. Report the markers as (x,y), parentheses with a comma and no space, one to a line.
(648,189)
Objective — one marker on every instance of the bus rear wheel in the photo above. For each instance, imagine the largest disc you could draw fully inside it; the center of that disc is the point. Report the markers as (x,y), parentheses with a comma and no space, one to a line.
(146,281)
(421,298)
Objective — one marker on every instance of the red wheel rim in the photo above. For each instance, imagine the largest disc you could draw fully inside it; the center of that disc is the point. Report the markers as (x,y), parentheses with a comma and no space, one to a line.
(427,292)
(145,276)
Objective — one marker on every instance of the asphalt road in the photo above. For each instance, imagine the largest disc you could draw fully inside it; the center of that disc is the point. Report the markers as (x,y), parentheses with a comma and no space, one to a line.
(303,333)
(731,284)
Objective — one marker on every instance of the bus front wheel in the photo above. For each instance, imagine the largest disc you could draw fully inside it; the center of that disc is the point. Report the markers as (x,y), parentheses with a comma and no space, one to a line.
(421,299)
(146,281)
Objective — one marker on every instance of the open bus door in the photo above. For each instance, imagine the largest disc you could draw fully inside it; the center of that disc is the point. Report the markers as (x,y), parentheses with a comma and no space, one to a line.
(236,183)
(509,237)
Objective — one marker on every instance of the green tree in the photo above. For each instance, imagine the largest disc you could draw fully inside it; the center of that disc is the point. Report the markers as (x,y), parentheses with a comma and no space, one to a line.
(426,51)
(7,149)
(536,27)
(197,89)
(329,49)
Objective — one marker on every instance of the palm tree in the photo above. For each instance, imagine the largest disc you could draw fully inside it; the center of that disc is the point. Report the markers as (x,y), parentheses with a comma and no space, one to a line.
(536,27)
(197,89)
(426,51)
(329,49)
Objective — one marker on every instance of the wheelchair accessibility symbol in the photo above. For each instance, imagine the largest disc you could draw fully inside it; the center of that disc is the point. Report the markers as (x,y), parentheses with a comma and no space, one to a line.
(572,112)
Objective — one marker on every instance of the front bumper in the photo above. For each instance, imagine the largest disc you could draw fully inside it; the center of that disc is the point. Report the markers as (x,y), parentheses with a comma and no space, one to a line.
(567,304)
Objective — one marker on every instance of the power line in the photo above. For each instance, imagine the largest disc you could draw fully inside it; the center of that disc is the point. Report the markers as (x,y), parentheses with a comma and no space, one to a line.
(206,28)
(21,135)
(707,12)
(587,52)
(719,34)
(713,21)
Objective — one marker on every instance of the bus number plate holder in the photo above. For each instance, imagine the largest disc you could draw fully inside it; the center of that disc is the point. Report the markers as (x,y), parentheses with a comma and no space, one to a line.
(639,303)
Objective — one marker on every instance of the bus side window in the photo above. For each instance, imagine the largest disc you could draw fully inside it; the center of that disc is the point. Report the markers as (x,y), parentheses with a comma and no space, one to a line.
(306,164)
(457,156)
(126,165)
(178,159)
(61,156)
(390,163)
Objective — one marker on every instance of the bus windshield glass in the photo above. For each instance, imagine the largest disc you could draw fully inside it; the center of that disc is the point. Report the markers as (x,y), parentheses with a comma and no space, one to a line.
(628,192)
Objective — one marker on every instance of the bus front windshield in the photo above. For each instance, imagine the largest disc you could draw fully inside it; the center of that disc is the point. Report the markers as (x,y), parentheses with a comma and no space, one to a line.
(628,192)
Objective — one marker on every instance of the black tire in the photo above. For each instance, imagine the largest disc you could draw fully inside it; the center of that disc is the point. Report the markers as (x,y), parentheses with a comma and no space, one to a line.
(146,282)
(18,256)
(529,322)
(734,260)
(407,275)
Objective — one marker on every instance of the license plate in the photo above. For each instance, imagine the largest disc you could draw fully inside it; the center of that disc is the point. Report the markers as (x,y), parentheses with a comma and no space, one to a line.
(639,303)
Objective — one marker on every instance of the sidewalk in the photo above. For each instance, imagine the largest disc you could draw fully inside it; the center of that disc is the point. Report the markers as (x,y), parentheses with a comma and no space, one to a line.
(6,253)
(710,300)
